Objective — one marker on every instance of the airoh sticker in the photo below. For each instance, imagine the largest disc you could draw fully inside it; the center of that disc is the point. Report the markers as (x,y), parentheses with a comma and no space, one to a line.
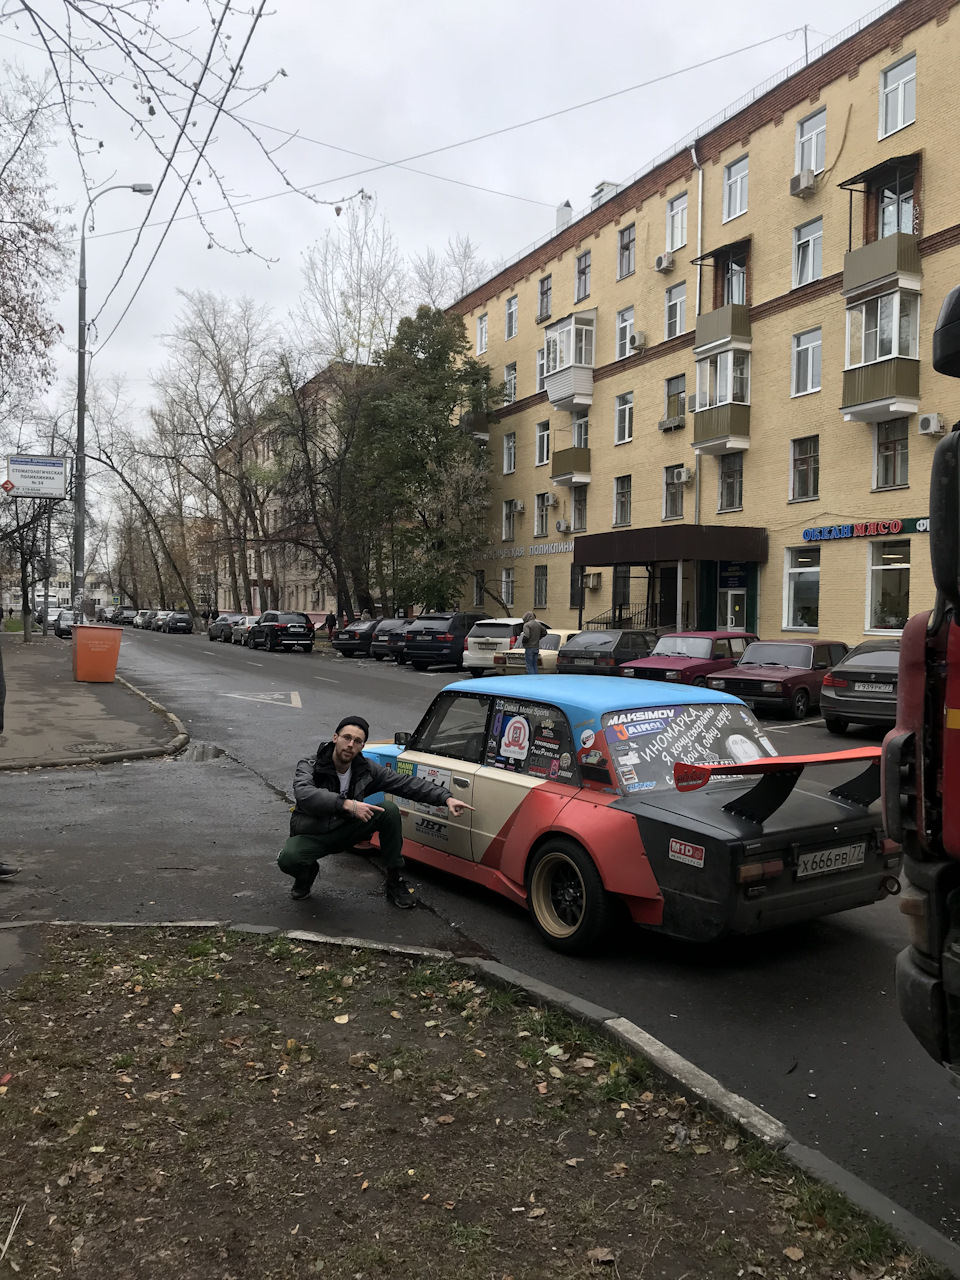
(691,854)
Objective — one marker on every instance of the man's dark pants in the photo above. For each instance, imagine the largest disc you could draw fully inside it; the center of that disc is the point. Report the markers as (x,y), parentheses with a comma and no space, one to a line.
(300,854)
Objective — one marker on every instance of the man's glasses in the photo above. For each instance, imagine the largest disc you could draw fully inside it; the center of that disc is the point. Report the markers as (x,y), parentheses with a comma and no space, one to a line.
(348,737)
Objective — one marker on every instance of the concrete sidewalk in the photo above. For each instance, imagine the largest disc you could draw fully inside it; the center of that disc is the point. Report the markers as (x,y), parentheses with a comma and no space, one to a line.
(52,720)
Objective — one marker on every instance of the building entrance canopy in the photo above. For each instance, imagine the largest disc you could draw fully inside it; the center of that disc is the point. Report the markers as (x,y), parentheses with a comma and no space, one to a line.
(672,542)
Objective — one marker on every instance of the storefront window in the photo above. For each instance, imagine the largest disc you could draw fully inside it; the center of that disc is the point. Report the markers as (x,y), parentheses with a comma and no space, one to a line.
(889,585)
(803,587)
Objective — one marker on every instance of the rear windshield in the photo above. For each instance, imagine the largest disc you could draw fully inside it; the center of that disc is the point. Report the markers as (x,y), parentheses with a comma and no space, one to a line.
(293,617)
(496,630)
(593,640)
(645,744)
(683,647)
(885,659)
(550,642)
(777,655)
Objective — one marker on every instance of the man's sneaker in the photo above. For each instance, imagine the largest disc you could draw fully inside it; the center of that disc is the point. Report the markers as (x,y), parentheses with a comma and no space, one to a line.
(400,893)
(301,887)
(7,870)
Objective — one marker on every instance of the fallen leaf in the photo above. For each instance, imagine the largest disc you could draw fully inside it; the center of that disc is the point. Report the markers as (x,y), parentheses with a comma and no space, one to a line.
(542,1087)
(701,1150)
(793,1252)
(646,1097)
(433,1023)
(346,982)
(449,1204)
(556,1073)
(776,1228)
(619,1170)
(175,1075)
(554,1051)
(601,1257)
(585,1064)
(731,1142)
(177,1008)
(536,1213)
(574,1161)
(98,1148)
(373,1066)
(444,1119)
(357,1059)
(364,1184)
(395,1013)
(342,1018)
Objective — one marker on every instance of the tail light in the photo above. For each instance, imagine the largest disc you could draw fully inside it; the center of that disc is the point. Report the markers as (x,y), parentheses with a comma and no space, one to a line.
(606,662)
(834,682)
(281,626)
(513,641)
(760,870)
(447,637)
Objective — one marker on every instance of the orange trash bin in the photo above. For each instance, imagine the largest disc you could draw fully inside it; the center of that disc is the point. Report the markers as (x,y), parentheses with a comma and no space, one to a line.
(95,653)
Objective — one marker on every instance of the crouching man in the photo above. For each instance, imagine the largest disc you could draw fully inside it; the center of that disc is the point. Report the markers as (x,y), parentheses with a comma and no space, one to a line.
(332,816)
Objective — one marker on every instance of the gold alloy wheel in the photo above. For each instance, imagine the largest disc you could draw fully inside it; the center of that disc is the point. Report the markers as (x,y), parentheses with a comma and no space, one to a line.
(558,895)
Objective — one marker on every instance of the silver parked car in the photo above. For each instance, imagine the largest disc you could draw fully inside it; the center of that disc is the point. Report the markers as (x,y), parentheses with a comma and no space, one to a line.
(241,628)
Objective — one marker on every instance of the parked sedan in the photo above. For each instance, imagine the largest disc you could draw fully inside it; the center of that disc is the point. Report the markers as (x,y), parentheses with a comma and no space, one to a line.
(159,618)
(387,639)
(63,623)
(178,620)
(355,640)
(688,657)
(221,627)
(862,689)
(274,630)
(780,675)
(140,620)
(124,615)
(601,653)
(514,661)
(240,632)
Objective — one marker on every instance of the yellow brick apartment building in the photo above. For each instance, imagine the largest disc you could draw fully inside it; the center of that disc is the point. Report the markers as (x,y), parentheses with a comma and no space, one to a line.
(721,409)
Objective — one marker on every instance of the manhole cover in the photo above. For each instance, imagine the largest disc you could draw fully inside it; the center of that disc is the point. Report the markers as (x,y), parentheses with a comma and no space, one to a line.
(95,748)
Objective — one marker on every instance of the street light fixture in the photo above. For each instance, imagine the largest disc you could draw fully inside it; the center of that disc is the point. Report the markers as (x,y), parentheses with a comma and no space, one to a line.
(80,468)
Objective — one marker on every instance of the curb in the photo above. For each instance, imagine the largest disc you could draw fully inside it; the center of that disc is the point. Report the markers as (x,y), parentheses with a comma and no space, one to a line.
(175,744)
(689,1079)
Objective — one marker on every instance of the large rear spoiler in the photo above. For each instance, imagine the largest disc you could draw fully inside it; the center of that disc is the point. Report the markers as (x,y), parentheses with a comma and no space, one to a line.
(779,775)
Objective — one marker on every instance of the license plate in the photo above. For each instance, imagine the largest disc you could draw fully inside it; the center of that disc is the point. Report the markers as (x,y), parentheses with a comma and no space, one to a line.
(823,861)
(583,662)
(489,645)
(862,686)
(294,628)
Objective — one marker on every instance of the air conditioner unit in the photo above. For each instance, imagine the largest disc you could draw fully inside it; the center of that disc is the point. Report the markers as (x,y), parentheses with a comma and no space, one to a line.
(638,340)
(664,262)
(803,183)
(672,424)
(518,507)
(550,500)
(931,424)
(563,526)
(683,475)
(592,581)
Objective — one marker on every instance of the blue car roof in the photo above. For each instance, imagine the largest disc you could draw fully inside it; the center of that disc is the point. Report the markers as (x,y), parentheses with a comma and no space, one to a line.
(590,695)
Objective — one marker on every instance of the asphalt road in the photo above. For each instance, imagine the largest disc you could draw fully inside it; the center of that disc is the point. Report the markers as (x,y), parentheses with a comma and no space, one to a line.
(803,1022)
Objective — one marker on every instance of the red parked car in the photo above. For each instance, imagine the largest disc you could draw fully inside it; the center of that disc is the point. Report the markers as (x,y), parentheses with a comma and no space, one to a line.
(688,657)
(780,675)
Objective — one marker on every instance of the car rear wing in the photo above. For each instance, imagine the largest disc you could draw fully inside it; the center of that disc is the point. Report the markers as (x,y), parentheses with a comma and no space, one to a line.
(779,775)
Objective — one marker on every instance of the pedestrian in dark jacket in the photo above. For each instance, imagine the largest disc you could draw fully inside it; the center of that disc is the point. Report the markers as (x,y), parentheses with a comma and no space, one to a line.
(530,637)
(332,816)
(330,623)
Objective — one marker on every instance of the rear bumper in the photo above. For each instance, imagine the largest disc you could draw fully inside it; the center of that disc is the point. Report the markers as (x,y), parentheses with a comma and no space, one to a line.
(565,669)
(481,661)
(433,653)
(349,646)
(860,711)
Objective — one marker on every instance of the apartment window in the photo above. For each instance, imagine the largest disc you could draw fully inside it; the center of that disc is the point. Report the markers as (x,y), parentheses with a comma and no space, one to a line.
(812,142)
(808,252)
(506,587)
(582,289)
(542,443)
(805,468)
(569,341)
(510,329)
(540,515)
(892,468)
(889,604)
(541,366)
(509,521)
(806,362)
(580,429)
(731,482)
(882,327)
(622,486)
(723,379)
(509,452)
(675,390)
(735,279)
(624,331)
(623,432)
(576,586)
(677,222)
(676,310)
(509,383)
(802,588)
(735,188)
(672,493)
(578,499)
(479,585)
(539,586)
(626,251)
(481,334)
(546,291)
(895,204)
(898,96)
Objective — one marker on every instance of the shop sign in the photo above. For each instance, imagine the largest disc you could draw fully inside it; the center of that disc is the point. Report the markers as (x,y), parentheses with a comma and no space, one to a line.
(536,549)
(732,575)
(869,529)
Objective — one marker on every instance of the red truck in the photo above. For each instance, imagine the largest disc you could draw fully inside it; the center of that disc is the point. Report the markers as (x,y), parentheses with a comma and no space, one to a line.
(921,757)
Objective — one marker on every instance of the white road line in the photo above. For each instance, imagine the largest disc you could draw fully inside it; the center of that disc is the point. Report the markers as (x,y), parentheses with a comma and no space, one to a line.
(254,664)
(326,679)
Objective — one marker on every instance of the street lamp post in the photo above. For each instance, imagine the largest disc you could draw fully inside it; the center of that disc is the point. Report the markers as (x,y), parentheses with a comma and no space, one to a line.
(80,467)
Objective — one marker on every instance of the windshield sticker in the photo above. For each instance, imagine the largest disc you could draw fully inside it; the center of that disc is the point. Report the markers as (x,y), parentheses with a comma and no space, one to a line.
(430,829)
(565,760)
(587,739)
(516,738)
(691,854)
(628,773)
(621,732)
(629,717)
(641,786)
(554,771)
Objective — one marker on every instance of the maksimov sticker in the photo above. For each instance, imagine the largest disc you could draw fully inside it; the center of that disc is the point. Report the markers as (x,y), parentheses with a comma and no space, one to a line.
(691,854)
(516,738)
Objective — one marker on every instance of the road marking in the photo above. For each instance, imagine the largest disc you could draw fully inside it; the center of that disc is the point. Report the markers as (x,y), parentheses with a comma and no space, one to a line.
(277,699)
(254,664)
(326,679)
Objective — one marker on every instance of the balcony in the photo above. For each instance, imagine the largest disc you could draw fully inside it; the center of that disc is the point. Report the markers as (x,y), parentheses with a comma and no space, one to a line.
(571,387)
(728,326)
(886,389)
(893,261)
(722,429)
(570,467)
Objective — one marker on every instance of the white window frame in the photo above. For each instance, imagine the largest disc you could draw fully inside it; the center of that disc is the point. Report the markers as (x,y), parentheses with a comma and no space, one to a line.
(675,301)
(481,334)
(509,453)
(791,494)
(511,316)
(539,586)
(624,331)
(862,308)
(901,484)
(509,383)
(627,493)
(798,345)
(577,295)
(541,367)
(681,396)
(898,88)
(580,429)
(720,461)
(790,572)
(542,444)
(874,572)
(724,380)
(623,419)
(541,511)
(736,185)
(569,341)
(507,585)
(621,274)
(817,138)
(809,234)
(508,527)
(677,222)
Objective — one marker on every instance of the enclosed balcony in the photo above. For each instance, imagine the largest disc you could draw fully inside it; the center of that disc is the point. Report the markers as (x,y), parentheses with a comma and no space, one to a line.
(882,390)
(722,429)
(570,467)
(894,260)
(568,361)
(728,326)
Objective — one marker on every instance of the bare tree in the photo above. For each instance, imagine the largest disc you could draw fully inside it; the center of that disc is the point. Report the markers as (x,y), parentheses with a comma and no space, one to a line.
(438,280)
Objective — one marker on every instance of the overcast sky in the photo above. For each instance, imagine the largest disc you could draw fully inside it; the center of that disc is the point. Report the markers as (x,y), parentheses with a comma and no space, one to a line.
(392,80)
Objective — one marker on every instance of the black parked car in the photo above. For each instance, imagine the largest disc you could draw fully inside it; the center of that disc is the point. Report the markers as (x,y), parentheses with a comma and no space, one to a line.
(354,641)
(600,653)
(221,627)
(438,637)
(125,615)
(178,620)
(862,689)
(274,630)
(388,638)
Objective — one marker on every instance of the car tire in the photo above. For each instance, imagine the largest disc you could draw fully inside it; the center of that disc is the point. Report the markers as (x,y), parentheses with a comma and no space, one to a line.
(836,725)
(699,682)
(477,672)
(401,660)
(800,704)
(211,637)
(419,666)
(306,648)
(271,644)
(378,657)
(571,909)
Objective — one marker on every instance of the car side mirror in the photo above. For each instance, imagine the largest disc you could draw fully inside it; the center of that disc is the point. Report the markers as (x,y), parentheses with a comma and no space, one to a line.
(402,739)
(821,666)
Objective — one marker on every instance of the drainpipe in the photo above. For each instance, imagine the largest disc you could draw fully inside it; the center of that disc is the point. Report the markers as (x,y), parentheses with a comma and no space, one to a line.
(696,457)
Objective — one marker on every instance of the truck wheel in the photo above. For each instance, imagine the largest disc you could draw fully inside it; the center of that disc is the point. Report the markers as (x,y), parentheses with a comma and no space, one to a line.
(570,907)
(800,704)
(836,725)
